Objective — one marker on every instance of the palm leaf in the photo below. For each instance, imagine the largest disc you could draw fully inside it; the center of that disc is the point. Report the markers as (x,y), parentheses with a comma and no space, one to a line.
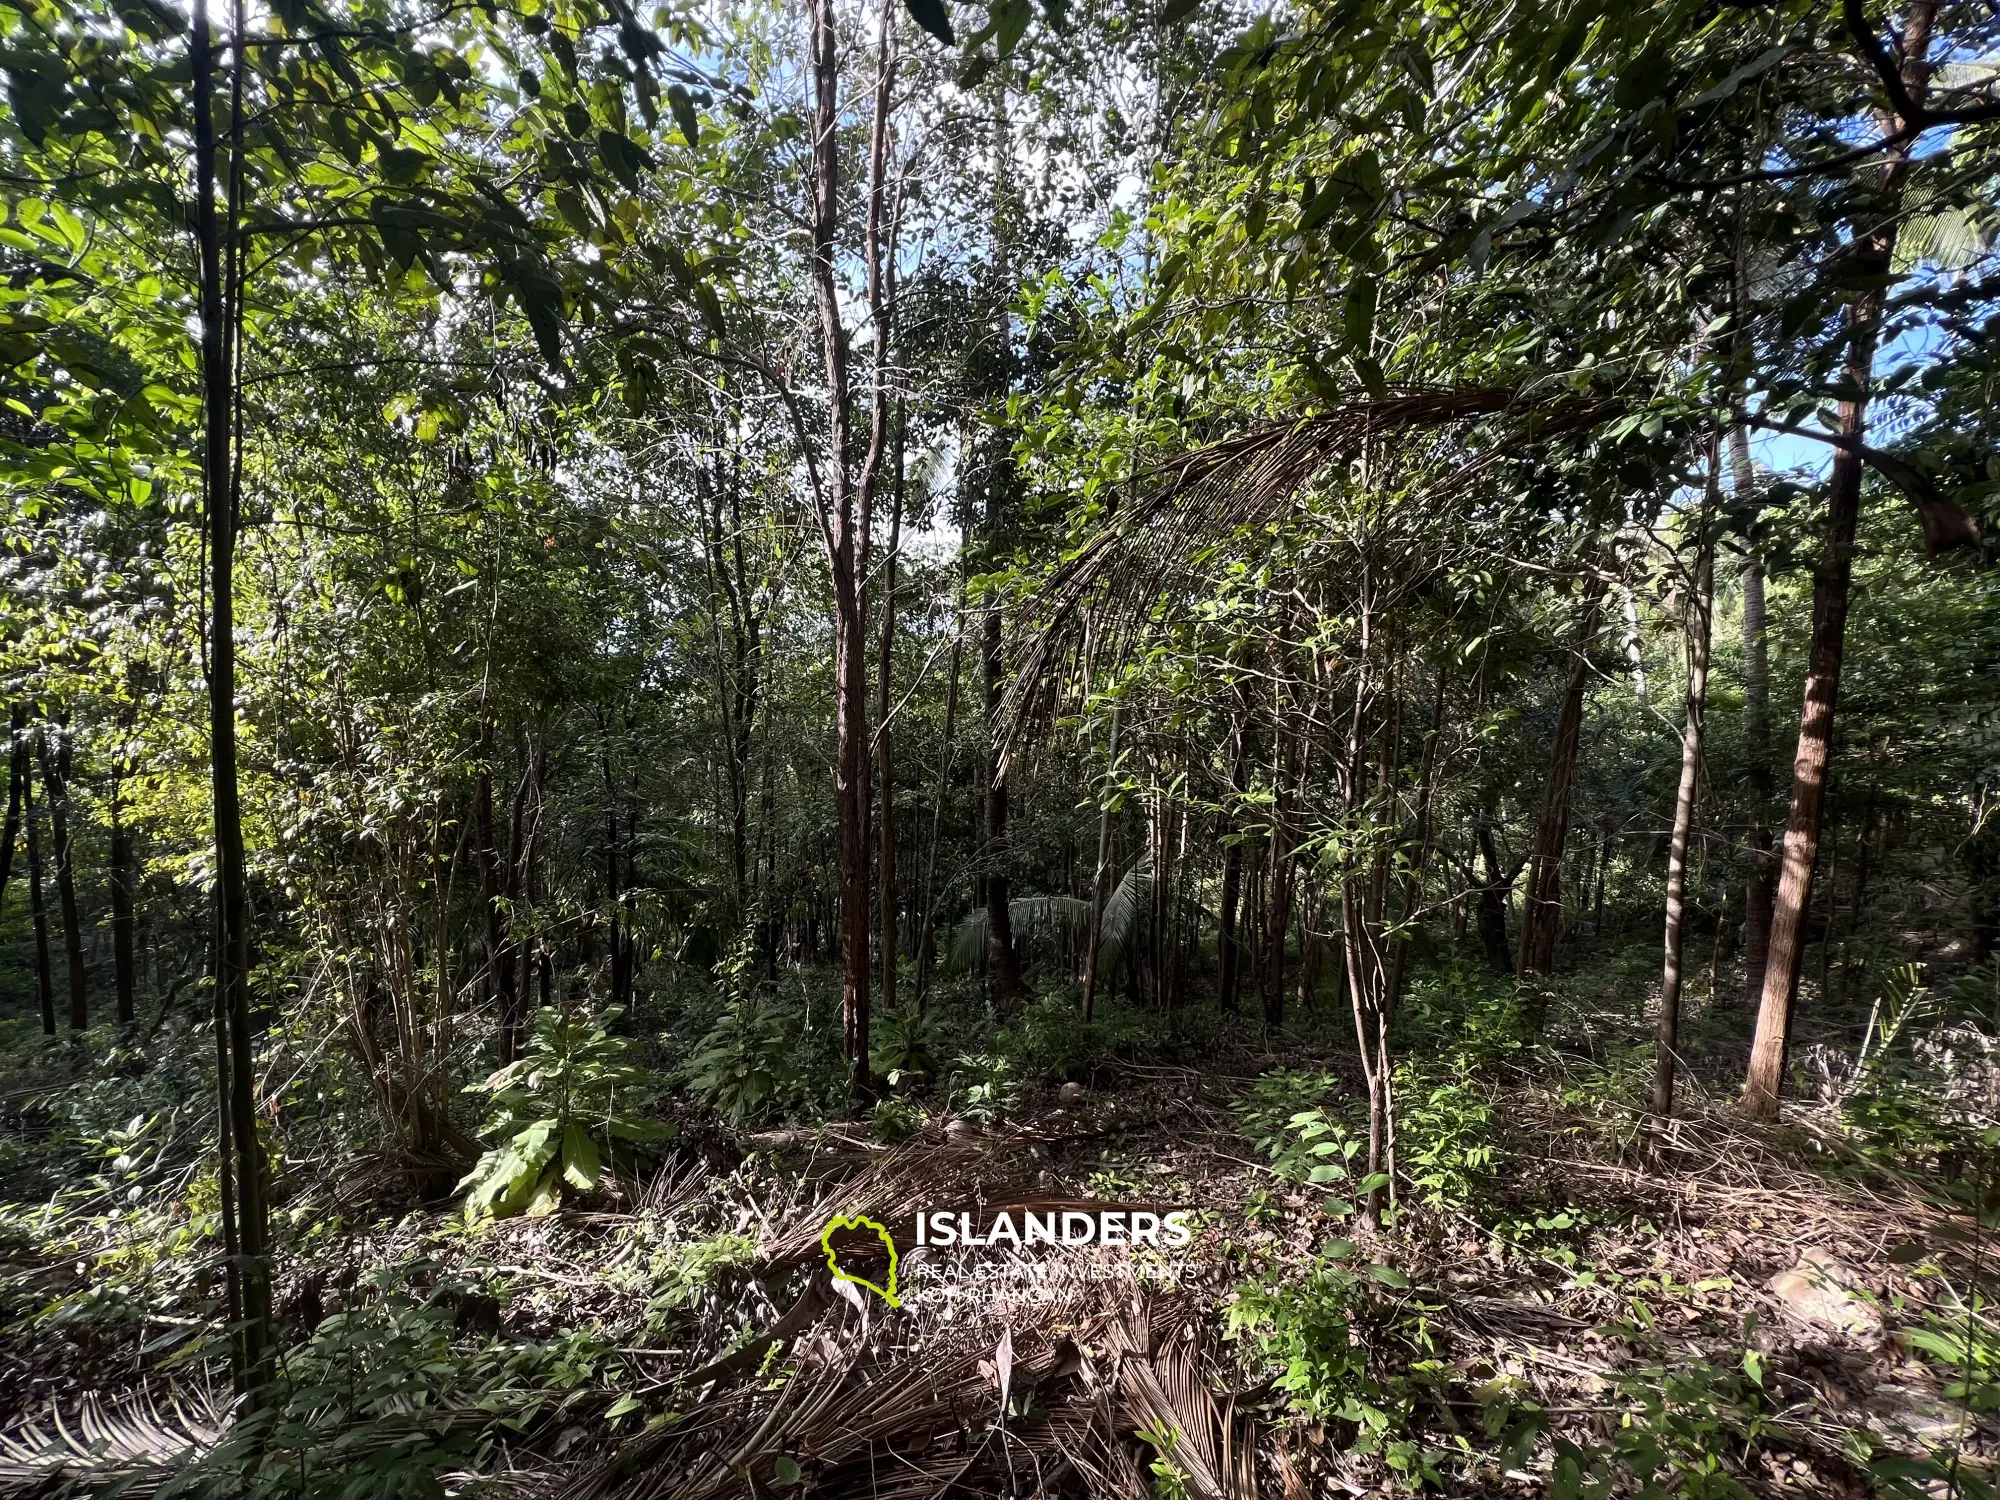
(1128,917)
(1045,926)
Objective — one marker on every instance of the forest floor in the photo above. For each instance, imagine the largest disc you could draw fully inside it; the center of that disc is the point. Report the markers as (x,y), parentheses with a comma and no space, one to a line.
(1567,1301)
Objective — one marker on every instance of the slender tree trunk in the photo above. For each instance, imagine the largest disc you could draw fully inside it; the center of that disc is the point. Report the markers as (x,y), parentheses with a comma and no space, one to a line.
(1228,945)
(1667,1036)
(884,742)
(948,754)
(1100,885)
(1003,965)
(220,313)
(1761,885)
(1541,907)
(1278,906)
(17,777)
(1361,892)
(45,986)
(56,778)
(1874,245)
(1493,892)
(124,888)
(844,501)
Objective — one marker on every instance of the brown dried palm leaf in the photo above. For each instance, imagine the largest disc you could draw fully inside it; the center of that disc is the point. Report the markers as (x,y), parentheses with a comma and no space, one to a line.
(137,1440)
(916,1412)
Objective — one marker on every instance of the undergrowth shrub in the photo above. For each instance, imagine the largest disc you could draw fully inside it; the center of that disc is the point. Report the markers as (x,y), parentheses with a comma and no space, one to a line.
(1445,1132)
(385,1400)
(903,1045)
(563,1114)
(1328,1333)
(984,1087)
(745,1065)
(1050,1039)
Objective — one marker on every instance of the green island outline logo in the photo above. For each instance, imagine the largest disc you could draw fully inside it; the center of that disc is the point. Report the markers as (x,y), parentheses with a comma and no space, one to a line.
(860,1221)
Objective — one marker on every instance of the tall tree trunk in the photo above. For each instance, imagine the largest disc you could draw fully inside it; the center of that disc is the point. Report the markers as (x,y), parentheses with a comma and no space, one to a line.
(1278,902)
(17,777)
(1493,893)
(56,778)
(486,858)
(1003,965)
(844,496)
(1413,873)
(1874,252)
(1761,885)
(45,979)
(885,750)
(1100,884)
(220,314)
(1228,945)
(1667,1034)
(947,755)
(621,976)
(124,889)
(1541,906)
(1363,903)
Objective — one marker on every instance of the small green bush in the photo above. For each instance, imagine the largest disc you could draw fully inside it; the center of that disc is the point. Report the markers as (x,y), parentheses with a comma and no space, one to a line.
(564,1113)
(745,1062)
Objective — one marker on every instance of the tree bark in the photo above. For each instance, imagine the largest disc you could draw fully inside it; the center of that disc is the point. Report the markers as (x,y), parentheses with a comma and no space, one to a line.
(1667,1033)
(1003,965)
(124,890)
(844,499)
(56,778)
(1541,906)
(1493,893)
(17,776)
(1100,885)
(1761,885)
(947,756)
(1228,944)
(1874,251)
(45,986)
(220,317)
(885,749)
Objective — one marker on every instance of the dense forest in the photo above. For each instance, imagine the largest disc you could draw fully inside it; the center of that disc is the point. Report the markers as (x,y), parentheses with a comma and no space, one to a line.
(662,667)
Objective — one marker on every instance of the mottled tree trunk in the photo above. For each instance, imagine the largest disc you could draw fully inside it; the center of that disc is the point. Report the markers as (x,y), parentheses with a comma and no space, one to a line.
(17,776)
(1667,1032)
(1873,258)
(1762,881)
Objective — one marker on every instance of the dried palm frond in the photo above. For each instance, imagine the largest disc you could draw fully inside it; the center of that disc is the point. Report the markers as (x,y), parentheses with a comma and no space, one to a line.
(136,1441)
(927,1418)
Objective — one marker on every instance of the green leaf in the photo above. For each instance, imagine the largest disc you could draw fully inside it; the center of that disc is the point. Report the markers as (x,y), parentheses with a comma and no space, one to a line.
(581,1161)
(787,1471)
(682,104)
(930,14)
(547,1197)
(1359,314)
(1178,11)
(1373,1182)
(1010,23)
(620,1407)
(1338,1249)
(1390,1276)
